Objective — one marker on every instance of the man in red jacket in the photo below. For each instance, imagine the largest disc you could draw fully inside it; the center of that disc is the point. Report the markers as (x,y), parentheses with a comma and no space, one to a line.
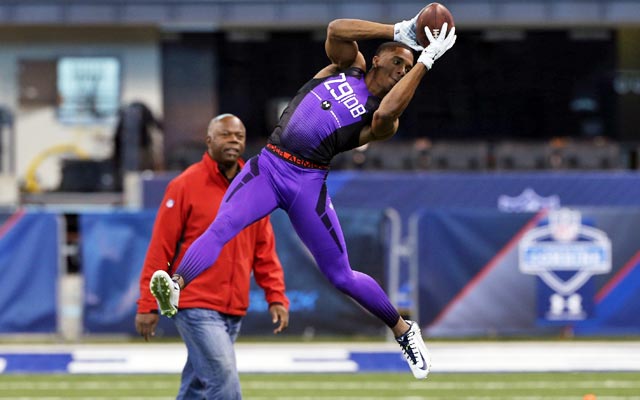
(211,306)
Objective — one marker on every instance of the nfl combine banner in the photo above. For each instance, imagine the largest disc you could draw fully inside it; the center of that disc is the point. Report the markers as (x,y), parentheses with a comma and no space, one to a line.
(565,252)
(486,272)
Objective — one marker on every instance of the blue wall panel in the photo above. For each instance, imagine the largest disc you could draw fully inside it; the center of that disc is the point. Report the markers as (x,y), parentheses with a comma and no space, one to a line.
(29,263)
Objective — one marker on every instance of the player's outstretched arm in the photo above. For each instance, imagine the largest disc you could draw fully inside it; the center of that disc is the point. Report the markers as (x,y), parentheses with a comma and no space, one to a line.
(341,45)
(385,119)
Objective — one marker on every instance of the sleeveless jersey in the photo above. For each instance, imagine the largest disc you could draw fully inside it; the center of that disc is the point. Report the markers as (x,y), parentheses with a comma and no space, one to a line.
(326,116)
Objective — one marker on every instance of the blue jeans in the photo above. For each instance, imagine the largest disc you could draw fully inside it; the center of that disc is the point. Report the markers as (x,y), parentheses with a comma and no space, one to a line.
(210,372)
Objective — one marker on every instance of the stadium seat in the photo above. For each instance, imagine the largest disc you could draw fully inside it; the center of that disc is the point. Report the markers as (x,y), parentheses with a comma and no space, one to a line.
(391,156)
(597,154)
(519,155)
(452,156)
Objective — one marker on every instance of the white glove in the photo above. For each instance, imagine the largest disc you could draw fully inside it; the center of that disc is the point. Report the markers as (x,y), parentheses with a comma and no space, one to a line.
(405,32)
(438,46)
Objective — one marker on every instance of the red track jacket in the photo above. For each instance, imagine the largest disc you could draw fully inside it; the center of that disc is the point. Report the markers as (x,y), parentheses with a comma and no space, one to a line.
(189,205)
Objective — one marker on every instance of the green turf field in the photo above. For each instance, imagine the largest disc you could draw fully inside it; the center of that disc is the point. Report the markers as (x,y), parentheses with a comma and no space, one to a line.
(561,386)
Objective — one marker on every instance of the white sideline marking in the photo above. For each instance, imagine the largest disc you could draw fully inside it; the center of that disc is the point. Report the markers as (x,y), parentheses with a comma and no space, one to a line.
(335,357)
(427,385)
(312,385)
(87,385)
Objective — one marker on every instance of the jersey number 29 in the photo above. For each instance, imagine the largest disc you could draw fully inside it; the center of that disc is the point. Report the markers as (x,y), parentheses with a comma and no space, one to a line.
(343,93)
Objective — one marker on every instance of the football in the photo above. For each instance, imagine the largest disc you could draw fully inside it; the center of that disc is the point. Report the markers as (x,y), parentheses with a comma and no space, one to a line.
(432,16)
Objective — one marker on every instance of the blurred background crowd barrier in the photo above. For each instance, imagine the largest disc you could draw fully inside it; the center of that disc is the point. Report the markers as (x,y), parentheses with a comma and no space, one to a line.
(506,205)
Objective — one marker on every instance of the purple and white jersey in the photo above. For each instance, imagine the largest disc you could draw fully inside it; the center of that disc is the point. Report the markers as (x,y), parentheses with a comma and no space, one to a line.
(324,119)
(326,116)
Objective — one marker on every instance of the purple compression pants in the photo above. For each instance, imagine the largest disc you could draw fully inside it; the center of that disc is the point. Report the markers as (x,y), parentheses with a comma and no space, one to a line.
(268,182)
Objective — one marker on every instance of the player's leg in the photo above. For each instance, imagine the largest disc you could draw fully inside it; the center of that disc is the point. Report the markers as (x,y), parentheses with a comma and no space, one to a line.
(315,220)
(209,337)
(249,198)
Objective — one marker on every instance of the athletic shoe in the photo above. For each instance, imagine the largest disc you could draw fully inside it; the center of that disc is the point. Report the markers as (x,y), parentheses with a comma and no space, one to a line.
(166,291)
(415,351)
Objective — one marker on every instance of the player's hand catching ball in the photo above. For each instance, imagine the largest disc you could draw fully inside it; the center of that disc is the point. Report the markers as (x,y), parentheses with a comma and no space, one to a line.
(405,32)
(437,46)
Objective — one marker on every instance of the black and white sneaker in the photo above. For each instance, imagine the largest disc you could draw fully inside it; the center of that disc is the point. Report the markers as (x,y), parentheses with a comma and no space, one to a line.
(166,291)
(415,351)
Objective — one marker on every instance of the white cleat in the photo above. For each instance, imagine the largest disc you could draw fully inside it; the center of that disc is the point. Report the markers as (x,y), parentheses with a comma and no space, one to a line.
(415,351)
(166,291)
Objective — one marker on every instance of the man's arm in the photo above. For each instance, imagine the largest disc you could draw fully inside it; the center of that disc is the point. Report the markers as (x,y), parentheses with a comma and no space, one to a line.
(341,45)
(167,230)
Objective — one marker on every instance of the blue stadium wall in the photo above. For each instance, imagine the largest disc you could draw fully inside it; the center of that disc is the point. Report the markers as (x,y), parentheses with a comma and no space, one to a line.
(466,229)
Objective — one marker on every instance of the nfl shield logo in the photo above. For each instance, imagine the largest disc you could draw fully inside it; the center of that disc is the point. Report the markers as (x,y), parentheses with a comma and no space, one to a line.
(565,253)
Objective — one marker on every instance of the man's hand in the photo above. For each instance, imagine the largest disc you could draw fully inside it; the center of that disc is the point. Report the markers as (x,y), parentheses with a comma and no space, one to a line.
(405,32)
(146,325)
(438,46)
(279,314)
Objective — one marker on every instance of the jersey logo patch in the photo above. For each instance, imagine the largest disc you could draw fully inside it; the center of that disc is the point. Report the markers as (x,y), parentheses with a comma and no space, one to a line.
(326,104)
